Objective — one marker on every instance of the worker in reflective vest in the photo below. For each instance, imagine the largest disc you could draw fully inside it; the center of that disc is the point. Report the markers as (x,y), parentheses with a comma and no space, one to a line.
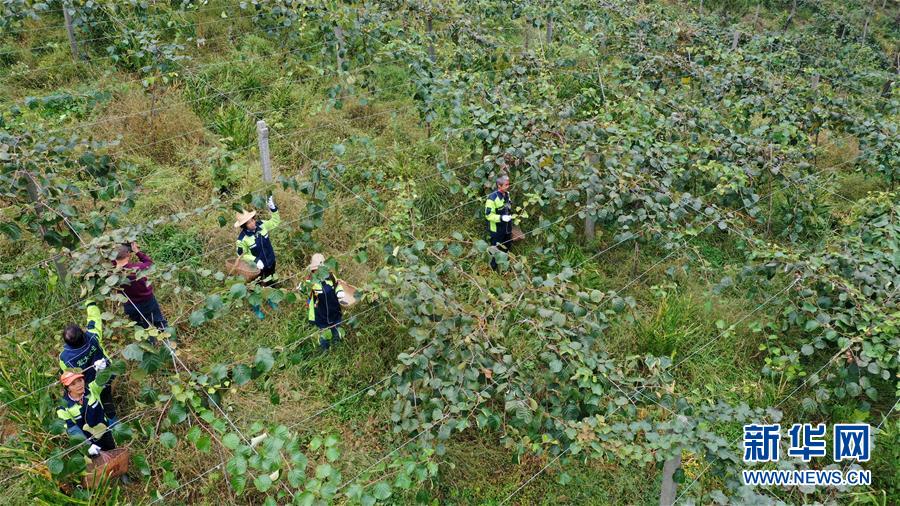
(324,304)
(83,350)
(498,213)
(255,248)
(84,414)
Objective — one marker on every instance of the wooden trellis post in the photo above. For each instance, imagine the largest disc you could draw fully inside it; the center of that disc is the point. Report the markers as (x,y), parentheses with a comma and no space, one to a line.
(70,31)
(549,30)
(432,54)
(339,47)
(589,221)
(527,33)
(668,489)
(262,132)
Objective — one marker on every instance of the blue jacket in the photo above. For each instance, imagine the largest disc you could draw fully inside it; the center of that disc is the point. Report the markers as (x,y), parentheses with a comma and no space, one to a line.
(88,353)
(496,206)
(253,245)
(85,414)
(324,306)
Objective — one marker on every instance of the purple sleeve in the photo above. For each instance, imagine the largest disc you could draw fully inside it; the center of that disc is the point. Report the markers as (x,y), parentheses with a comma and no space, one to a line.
(145,261)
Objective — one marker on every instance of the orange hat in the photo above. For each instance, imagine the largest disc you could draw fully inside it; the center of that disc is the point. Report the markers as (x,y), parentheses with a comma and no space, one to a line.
(69,376)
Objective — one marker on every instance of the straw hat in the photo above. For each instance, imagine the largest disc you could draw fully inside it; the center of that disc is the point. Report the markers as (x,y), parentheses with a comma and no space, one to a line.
(243,217)
(317,260)
(69,376)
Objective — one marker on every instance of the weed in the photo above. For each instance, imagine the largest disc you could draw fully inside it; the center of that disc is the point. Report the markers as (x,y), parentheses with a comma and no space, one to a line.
(158,131)
(674,322)
(170,245)
(234,127)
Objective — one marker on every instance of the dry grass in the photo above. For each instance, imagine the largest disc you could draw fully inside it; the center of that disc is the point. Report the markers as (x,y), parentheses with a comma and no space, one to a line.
(159,131)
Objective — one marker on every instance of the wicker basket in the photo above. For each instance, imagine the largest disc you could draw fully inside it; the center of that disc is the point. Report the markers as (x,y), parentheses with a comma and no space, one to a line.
(241,268)
(108,464)
(349,293)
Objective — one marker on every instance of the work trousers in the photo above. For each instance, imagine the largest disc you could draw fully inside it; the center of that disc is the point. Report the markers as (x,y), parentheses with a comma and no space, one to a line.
(267,276)
(330,336)
(501,240)
(146,313)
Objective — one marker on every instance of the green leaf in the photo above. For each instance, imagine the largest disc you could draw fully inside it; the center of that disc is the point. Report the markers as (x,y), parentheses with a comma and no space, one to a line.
(197,318)
(323,471)
(339,149)
(214,302)
(241,375)
(264,360)
(238,290)
(237,466)
(556,366)
(133,352)
(332,454)
(204,443)
(11,230)
(55,465)
(296,477)
(193,435)
(262,482)
(177,413)
(139,462)
(168,440)
(238,483)
(231,441)
(381,491)
(403,482)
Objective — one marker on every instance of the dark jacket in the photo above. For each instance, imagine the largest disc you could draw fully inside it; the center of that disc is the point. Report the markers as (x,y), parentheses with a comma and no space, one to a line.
(496,206)
(84,414)
(324,305)
(253,245)
(90,351)
(138,290)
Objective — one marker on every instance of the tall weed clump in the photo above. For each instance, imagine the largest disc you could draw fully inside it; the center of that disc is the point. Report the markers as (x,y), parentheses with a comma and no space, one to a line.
(160,132)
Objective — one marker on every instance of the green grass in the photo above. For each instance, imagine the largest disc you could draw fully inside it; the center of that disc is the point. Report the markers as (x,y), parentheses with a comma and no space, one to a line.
(478,471)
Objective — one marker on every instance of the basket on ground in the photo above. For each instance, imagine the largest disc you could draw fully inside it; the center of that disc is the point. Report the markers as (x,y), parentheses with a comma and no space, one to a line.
(110,464)
(241,268)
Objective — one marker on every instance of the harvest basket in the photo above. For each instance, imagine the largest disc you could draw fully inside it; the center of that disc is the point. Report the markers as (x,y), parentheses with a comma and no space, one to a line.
(110,464)
(241,268)
(349,293)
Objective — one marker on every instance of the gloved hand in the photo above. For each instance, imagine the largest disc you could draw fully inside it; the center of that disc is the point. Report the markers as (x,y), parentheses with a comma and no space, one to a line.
(506,218)
(94,450)
(100,364)
(260,264)
(271,203)
(341,296)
